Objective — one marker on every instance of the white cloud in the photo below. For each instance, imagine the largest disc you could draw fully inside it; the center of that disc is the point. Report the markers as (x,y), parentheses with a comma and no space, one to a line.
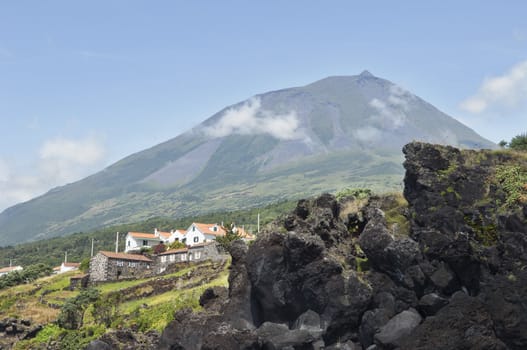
(251,119)
(390,114)
(59,161)
(67,159)
(508,90)
(367,133)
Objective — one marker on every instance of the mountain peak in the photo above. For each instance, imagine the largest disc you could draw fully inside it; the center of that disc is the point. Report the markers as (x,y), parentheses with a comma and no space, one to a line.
(366,74)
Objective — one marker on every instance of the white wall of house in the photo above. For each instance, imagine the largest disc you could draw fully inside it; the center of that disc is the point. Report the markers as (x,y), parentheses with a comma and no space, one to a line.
(133,243)
(15,268)
(177,235)
(194,236)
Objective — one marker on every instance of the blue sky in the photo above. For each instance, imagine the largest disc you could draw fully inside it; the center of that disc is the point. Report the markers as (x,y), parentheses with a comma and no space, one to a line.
(83,84)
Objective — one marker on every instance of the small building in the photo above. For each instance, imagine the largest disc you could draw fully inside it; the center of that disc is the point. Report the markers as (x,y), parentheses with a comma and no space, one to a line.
(66,266)
(6,270)
(107,266)
(200,233)
(246,236)
(176,235)
(170,257)
(194,253)
(79,281)
(137,240)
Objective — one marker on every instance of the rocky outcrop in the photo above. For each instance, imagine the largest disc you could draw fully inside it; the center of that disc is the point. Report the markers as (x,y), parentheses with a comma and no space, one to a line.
(13,329)
(320,278)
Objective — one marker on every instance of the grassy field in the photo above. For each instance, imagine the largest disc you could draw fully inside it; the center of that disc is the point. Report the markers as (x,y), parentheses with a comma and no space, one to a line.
(41,301)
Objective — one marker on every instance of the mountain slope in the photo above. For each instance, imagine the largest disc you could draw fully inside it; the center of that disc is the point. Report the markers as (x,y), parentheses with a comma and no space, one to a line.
(336,132)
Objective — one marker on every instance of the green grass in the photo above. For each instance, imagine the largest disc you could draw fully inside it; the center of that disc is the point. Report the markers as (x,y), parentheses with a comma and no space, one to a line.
(108,287)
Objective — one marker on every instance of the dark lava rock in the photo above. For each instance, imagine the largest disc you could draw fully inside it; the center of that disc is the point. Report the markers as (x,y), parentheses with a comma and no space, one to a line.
(98,345)
(397,327)
(298,288)
(431,303)
(463,324)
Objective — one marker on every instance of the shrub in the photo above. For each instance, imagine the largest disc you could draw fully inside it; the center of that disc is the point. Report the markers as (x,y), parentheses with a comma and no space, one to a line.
(519,142)
(357,193)
(513,181)
(160,248)
(72,312)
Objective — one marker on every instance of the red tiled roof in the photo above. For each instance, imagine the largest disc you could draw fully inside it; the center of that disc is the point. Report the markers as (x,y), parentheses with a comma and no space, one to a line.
(164,235)
(244,234)
(175,251)
(143,235)
(206,229)
(71,264)
(125,256)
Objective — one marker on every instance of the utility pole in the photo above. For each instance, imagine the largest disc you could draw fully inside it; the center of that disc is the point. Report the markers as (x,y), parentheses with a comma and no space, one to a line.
(65,257)
(117,243)
(258,229)
(92,247)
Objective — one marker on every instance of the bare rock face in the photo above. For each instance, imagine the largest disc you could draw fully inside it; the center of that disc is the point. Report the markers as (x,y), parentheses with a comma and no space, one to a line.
(14,329)
(457,281)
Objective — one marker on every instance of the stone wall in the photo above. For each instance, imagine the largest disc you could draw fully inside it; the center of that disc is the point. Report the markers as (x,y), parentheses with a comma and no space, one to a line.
(119,269)
(98,268)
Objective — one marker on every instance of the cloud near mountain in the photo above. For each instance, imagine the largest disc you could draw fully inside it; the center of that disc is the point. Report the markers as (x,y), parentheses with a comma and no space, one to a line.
(59,161)
(508,90)
(251,119)
(389,114)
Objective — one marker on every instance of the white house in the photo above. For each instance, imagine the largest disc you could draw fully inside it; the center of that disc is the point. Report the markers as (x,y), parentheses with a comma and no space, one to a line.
(6,270)
(66,266)
(199,233)
(138,240)
(176,235)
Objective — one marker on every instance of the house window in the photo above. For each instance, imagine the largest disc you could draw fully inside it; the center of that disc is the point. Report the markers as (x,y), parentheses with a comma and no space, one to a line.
(184,240)
(128,243)
(172,257)
(164,258)
(132,264)
(120,263)
(193,228)
(215,228)
(145,242)
(196,239)
(183,257)
(197,255)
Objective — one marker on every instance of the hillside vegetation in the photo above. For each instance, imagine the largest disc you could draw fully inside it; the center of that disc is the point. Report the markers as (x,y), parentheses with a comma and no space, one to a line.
(144,305)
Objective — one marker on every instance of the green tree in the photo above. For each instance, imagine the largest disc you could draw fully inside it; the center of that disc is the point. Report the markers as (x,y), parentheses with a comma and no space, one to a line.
(519,142)
(85,265)
(177,245)
(106,310)
(502,143)
(230,236)
(72,312)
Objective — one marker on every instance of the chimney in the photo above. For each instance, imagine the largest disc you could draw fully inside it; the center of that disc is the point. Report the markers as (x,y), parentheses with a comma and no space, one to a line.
(156,232)
(117,242)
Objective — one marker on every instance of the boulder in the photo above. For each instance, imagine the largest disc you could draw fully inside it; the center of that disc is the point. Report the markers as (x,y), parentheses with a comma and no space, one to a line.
(462,324)
(445,280)
(431,303)
(397,327)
